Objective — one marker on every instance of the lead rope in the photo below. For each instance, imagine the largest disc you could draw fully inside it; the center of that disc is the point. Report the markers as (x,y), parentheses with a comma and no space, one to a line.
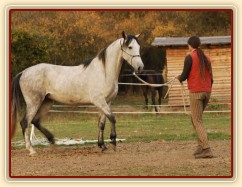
(183,98)
(153,85)
(169,84)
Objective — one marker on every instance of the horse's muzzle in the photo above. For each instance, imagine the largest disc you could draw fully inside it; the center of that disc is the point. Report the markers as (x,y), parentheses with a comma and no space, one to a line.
(140,67)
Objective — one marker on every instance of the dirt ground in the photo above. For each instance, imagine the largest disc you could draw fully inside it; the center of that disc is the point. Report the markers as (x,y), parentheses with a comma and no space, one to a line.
(159,158)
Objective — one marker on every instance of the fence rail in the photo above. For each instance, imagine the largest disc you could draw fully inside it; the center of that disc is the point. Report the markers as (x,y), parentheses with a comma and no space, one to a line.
(117,109)
(137,112)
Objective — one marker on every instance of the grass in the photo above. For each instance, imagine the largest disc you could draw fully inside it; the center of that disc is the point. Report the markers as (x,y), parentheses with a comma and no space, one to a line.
(135,128)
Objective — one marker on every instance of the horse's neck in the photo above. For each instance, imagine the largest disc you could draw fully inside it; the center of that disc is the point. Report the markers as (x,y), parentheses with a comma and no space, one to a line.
(113,61)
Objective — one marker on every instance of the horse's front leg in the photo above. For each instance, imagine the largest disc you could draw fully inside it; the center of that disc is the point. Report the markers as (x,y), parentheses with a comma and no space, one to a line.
(160,96)
(101,127)
(145,94)
(105,108)
(113,134)
(153,94)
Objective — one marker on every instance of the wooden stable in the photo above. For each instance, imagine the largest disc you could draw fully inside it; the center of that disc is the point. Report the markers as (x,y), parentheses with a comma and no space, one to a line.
(218,48)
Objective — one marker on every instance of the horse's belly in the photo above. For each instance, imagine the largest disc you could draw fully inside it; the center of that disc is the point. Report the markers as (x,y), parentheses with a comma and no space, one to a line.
(71,100)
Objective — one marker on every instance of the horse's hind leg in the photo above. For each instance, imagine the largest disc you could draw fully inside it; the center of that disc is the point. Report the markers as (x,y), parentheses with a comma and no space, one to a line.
(25,129)
(43,110)
(24,124)
(33,101)
(47,133)
(31,111)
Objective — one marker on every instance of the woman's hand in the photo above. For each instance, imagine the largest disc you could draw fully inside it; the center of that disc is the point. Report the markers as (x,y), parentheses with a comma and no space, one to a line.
(178,77)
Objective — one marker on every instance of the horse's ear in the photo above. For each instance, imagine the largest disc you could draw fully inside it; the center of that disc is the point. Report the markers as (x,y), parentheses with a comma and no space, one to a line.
(137,35)
(124,35)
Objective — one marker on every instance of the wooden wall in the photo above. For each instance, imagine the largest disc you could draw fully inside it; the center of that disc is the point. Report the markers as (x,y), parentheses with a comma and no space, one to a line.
(221,64)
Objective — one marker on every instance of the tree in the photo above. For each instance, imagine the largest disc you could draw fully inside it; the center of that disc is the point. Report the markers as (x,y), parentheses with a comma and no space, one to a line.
(69,37)
(28,49)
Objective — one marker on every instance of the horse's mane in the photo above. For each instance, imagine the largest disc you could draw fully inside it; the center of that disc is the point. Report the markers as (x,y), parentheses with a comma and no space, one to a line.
(87,62)
(101,56)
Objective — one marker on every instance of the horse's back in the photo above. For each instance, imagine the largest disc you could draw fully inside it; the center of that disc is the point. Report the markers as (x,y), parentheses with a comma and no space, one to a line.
(65,84)
(37,71)
(41,77)
(49,72)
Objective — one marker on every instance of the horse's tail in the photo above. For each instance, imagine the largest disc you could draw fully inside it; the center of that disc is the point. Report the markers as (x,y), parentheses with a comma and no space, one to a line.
(16,95)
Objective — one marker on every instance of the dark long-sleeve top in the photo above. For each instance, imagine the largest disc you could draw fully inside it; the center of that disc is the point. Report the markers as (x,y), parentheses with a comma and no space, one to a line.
(186,68)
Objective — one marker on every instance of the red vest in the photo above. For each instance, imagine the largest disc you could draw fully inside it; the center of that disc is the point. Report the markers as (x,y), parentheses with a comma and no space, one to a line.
(195,82)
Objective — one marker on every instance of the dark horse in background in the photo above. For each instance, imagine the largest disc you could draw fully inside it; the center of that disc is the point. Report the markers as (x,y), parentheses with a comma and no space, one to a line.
(155,60)
(152,77)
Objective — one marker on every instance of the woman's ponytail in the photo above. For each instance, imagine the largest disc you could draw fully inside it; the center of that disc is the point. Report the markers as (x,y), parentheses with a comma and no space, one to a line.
(195,43)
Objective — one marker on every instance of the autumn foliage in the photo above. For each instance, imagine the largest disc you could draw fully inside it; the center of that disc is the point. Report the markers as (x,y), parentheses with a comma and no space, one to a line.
(69,37)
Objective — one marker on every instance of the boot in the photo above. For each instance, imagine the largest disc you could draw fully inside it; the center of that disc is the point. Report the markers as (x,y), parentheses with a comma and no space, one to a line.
(206,153)
(198,151)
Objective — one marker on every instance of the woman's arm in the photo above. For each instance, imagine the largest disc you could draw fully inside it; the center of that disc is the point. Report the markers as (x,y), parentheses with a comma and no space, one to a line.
(186,69)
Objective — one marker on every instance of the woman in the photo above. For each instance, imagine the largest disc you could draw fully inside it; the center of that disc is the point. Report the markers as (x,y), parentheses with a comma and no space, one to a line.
(198,72)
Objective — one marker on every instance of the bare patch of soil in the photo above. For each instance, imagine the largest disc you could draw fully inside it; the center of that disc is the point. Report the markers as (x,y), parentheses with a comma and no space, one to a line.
(159,158)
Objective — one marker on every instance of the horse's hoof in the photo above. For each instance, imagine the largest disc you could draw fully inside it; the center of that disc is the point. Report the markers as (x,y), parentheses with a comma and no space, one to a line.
(33,153)
(114,147)
(52,146)
(104,148)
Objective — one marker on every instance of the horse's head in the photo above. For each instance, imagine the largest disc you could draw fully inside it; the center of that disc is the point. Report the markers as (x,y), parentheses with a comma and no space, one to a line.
(131,51)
